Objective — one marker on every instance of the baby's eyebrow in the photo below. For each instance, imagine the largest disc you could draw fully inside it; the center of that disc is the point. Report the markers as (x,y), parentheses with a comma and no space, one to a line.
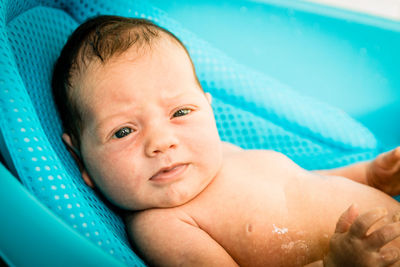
(101,120)
(101,125)
(171,97)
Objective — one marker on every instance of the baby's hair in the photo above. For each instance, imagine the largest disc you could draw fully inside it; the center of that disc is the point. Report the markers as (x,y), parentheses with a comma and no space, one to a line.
(98,38)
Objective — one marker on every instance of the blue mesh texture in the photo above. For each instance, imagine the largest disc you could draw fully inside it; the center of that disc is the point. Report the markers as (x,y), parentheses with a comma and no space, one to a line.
(252,110)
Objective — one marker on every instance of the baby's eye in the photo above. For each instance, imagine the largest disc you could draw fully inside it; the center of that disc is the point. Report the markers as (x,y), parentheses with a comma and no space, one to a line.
(182,112)
(121,133)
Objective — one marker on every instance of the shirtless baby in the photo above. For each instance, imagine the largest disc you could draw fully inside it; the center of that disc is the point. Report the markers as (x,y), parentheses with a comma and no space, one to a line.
(144,135)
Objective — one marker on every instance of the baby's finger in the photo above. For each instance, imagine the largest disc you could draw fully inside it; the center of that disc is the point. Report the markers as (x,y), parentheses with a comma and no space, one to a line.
(389,256)
(383,235)
(361,225)
(346,219)
(390,158)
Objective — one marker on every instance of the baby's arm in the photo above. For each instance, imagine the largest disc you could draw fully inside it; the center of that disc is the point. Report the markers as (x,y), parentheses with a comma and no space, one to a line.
(382,173)
(164,239)
(356,172)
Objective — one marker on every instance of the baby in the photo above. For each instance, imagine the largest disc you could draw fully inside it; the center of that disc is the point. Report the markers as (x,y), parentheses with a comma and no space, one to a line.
(143,133)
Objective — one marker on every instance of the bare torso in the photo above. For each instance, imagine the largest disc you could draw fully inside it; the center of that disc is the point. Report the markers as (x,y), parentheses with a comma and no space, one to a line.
(264,210)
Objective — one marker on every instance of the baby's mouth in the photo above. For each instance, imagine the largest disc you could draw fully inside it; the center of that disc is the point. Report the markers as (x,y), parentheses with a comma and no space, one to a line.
(170,172)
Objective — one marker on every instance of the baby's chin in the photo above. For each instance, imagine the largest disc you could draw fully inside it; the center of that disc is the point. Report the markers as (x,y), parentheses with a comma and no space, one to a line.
(175,200)
(169,199)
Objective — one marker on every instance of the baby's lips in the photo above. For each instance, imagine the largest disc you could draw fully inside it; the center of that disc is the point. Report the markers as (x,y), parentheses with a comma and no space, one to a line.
(169,172)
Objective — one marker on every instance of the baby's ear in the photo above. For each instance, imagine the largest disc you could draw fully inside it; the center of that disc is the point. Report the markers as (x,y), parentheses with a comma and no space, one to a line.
(209,97)
(77,157)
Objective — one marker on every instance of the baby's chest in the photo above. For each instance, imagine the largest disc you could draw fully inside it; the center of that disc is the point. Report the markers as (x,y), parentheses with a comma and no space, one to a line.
(251,217)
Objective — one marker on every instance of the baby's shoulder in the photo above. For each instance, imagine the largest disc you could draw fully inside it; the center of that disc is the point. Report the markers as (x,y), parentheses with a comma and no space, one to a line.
(153,216)
(261,163)
(230,149)
(267,154)
(259,156)
(157,220)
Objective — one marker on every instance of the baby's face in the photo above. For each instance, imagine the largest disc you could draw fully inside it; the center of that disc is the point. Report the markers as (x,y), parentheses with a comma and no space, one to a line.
(149,137)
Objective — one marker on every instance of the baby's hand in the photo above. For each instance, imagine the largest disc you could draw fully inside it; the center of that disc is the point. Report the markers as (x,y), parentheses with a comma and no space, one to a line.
(351,246)
(383,173)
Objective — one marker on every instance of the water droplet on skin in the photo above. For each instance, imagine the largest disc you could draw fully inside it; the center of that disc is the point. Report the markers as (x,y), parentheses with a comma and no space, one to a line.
(278,230)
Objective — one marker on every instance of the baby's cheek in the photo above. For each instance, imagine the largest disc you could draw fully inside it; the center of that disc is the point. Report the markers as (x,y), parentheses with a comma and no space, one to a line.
(122,192)
(114,177)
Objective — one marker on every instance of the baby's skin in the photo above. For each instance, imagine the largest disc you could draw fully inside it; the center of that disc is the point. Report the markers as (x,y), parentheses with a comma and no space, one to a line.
(151,146)
(260,210)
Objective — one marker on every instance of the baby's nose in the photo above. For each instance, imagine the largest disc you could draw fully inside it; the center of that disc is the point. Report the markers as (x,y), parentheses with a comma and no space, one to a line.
(159,141)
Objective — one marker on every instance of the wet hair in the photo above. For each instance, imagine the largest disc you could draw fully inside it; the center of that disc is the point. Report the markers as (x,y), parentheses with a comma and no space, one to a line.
(99,38)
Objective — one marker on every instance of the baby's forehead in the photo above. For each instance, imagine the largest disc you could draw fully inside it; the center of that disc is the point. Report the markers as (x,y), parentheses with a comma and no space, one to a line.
(163,42)
(90,68)
(96,69)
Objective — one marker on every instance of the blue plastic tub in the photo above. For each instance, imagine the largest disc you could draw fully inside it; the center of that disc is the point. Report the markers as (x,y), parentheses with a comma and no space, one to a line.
(344,58)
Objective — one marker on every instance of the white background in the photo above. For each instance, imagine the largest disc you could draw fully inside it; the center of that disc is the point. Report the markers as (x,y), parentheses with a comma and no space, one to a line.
(385,8)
